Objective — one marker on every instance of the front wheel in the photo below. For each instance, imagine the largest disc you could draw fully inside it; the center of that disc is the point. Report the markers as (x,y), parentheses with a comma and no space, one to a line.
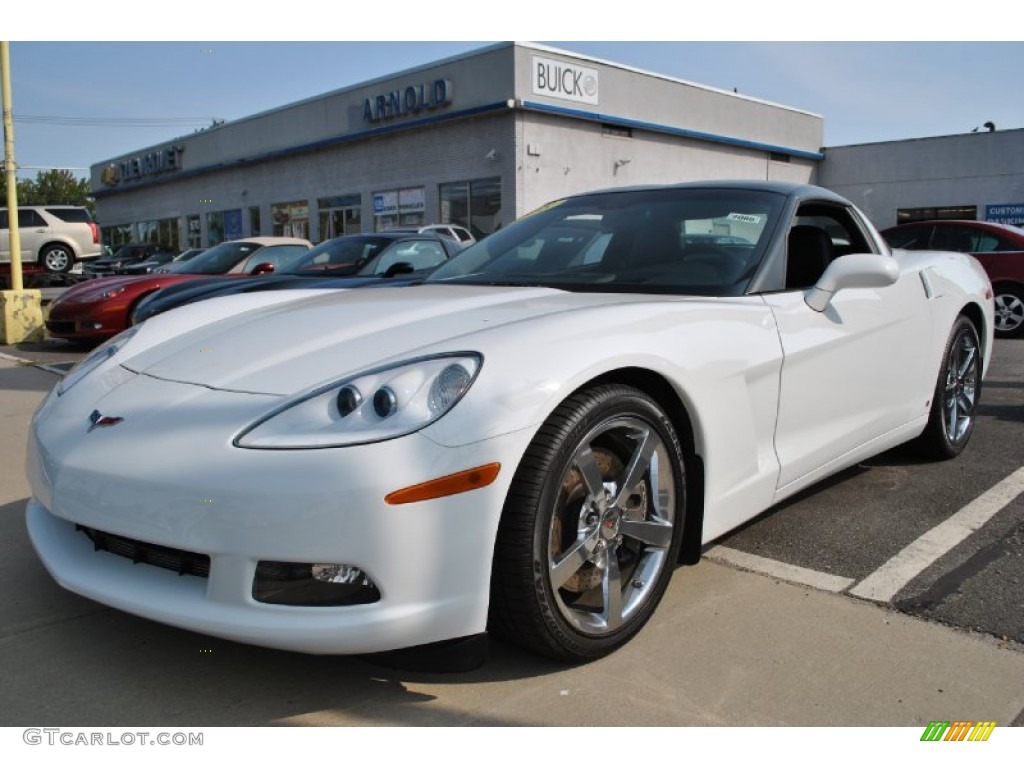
(58,258)
(591,528)
(1009,312)
(955,401)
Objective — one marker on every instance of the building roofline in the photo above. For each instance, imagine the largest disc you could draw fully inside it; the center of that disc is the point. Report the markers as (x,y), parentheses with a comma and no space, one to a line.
(668,78)
(923,138)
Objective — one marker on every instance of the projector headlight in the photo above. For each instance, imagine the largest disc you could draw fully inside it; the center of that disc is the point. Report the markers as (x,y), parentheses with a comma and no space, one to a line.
(377,405)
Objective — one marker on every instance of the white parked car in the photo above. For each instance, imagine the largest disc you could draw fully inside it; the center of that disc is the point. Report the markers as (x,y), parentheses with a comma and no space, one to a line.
(527,442)
(54,236)
(451,231)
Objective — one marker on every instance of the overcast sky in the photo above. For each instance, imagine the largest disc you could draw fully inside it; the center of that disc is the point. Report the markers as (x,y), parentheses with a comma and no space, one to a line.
(866,92)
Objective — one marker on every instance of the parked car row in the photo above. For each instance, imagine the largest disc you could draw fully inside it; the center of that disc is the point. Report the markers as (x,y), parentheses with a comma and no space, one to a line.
(100,308)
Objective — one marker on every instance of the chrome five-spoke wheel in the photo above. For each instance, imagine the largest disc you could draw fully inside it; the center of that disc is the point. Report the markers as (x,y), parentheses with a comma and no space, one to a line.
(592,527)
(1009,312)
(961,392)
(955,402)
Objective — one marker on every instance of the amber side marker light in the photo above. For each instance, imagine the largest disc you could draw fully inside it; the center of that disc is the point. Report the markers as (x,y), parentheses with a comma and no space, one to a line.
(449,485)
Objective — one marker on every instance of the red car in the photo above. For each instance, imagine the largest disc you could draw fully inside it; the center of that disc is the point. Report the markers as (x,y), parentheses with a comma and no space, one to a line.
(999,248)
(101,308)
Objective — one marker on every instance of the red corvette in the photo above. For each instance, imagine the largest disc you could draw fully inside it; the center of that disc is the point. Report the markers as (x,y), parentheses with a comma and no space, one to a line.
(101,308)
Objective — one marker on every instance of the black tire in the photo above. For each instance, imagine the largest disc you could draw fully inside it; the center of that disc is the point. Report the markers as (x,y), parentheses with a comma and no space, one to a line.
(955,400)
(57,258)
(1009,309)
(591,528)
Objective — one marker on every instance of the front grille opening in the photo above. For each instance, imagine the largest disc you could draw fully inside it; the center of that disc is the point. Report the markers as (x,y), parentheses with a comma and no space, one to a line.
(177,560)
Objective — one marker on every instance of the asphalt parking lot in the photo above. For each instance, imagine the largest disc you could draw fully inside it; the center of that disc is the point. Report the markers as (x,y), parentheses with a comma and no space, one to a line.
(892,594)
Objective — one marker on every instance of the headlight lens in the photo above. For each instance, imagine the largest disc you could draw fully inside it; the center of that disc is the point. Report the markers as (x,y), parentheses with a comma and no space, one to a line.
(95,359)
(377,405)
(112,292)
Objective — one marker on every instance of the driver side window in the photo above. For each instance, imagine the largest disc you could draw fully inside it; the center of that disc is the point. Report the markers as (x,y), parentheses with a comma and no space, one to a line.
(820,233)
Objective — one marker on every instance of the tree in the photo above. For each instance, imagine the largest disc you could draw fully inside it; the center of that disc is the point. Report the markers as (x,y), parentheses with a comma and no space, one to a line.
(53,187)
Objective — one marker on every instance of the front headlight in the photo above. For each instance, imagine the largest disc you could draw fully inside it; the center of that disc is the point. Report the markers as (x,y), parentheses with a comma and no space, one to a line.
(377,405)
(95,359)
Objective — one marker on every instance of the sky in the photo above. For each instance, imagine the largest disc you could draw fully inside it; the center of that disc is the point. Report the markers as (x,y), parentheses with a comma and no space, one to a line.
(106,90)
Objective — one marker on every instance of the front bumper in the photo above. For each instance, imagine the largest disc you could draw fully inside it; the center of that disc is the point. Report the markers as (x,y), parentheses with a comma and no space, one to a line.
(170,476)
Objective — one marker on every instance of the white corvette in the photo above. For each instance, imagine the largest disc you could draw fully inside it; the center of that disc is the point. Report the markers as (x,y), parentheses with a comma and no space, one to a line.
(528,442)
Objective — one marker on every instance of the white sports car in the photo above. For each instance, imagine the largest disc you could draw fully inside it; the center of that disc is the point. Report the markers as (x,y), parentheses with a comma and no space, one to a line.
(529,442)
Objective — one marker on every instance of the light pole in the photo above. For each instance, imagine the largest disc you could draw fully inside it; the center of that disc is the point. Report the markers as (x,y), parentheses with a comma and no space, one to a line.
(21,318)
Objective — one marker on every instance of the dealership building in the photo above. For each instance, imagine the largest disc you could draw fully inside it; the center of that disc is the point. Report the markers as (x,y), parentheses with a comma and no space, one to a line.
(476,139)
(482,138)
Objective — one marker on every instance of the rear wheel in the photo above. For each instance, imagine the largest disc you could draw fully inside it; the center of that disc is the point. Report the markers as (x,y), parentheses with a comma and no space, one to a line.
(1009,312)
(57,258)
(955,401)
(591,528)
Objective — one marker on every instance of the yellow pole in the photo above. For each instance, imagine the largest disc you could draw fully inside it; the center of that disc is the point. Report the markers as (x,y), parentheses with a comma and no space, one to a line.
(21,316)
(12,171)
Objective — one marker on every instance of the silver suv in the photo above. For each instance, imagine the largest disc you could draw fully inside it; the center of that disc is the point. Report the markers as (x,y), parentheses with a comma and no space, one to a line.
(53,236)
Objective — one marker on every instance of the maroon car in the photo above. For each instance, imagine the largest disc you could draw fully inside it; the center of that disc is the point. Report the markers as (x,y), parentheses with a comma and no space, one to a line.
(100,308)
(999,248)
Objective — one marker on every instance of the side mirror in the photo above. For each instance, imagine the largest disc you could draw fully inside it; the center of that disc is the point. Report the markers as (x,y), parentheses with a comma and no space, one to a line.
(263,268)
(855,270)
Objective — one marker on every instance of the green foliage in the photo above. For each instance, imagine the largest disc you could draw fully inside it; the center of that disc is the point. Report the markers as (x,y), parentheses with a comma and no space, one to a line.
(54,187)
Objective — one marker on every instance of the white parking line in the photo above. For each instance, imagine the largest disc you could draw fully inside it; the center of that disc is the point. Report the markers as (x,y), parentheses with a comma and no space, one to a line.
(794,573)
(883,584)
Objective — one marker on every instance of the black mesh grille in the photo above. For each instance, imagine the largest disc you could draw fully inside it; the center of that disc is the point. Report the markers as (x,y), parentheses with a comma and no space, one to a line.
(177,560)
(61,326)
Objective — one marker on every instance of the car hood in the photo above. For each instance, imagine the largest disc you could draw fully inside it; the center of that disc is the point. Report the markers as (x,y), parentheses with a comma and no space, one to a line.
(98,285)
(291,347)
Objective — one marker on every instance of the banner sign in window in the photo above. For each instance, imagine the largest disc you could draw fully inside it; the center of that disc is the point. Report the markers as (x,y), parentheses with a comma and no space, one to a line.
(385,203)
(411,200)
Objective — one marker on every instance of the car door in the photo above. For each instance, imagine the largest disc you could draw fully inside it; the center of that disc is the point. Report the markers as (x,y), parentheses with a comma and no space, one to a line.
(35,232)
(852,373)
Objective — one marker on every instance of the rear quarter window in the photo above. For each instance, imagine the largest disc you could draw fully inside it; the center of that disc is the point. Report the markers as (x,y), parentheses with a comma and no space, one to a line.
(74,215)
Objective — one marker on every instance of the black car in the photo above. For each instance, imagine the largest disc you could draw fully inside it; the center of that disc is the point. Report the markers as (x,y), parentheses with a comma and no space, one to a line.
(157,260)
(129,253)
(350,261)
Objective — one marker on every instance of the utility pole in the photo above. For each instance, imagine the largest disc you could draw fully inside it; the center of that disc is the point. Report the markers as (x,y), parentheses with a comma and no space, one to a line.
(21,318)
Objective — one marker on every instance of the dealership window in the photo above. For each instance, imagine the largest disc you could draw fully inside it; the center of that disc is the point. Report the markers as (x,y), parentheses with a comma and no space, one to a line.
(162,231)
(398,208)
(340,215)
(214,228)
(904,215)
(475,205)
(195,232)
(254,221)
(290,219)
(223,225)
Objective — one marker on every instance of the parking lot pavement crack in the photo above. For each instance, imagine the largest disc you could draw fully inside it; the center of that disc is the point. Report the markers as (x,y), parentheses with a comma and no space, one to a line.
(33,626)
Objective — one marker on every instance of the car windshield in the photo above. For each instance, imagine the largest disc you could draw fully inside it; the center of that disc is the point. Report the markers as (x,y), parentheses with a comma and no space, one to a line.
(216,260)
(340,256)
(642,241)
